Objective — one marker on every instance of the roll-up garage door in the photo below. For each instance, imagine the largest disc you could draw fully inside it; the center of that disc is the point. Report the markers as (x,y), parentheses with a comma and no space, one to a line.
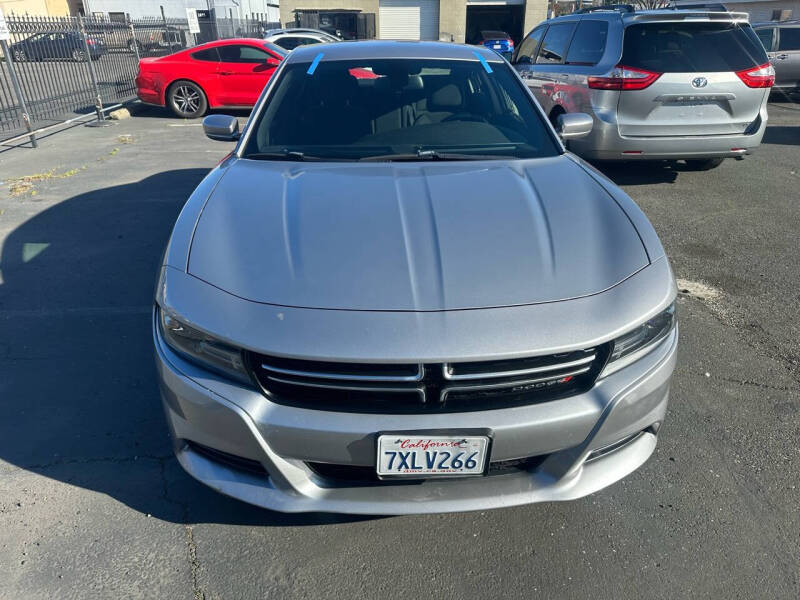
(408,19)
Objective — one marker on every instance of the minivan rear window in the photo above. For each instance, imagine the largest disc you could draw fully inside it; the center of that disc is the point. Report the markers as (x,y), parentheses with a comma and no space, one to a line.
(676,47)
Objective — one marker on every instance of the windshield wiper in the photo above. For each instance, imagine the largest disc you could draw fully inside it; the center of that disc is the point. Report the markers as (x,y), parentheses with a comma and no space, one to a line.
(292,155)
(434,155)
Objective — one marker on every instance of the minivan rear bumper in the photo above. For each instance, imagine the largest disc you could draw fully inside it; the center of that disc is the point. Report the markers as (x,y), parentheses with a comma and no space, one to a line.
(606,143)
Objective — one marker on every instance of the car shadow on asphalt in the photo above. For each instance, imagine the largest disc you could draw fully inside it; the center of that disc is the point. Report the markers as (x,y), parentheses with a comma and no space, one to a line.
(782,95)
(79,400)
(782,135)
(139,110)
(639,172)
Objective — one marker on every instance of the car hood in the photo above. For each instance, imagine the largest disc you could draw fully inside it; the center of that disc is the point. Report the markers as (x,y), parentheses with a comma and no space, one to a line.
(412,236)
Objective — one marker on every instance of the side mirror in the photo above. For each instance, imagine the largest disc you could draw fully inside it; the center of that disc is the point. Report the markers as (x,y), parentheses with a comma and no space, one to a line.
(222,128)
(273,62)
(574,125)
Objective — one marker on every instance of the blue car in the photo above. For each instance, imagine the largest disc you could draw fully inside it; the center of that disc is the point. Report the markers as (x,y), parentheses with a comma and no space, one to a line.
(499,41)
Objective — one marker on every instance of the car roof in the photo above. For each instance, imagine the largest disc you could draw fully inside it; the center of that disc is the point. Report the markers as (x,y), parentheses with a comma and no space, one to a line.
(659,14)
(681,12)
(379,49)
(292,30)
(228,42)
(315,34)
(690,5)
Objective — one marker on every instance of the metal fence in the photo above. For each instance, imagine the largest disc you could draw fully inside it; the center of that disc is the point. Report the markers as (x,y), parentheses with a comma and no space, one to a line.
(58,68)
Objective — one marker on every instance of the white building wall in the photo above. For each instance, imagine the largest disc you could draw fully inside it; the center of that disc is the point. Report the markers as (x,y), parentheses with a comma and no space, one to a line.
(759,10)
(762,11)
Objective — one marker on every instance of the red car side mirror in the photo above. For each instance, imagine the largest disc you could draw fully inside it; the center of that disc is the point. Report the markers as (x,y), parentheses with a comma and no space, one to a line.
(273,62)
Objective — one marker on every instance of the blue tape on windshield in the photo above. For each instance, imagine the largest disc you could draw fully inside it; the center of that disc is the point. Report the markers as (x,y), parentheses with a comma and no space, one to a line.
(314,63)
(483,61)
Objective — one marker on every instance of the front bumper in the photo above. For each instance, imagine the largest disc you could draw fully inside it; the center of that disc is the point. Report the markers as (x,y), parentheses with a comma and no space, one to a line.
(203,409)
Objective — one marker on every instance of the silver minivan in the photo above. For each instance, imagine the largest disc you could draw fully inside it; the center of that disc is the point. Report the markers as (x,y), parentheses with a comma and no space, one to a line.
(662,84)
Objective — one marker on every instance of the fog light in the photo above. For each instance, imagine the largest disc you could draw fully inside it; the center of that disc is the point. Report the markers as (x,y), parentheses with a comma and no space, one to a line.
(605,450)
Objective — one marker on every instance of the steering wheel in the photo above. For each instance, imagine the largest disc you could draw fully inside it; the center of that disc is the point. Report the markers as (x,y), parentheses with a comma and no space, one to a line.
(465,117)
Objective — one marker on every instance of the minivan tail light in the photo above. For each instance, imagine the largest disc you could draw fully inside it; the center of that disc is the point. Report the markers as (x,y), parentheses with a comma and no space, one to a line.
(623,78)
(762,76)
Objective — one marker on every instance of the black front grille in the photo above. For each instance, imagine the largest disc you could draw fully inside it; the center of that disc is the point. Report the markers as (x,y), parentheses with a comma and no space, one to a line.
(349,475)
(427,388)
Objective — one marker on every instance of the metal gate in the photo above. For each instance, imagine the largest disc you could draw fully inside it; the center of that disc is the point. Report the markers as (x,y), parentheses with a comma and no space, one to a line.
(55,69)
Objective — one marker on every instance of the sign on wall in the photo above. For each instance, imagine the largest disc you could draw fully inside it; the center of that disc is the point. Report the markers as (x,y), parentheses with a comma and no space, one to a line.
(194,24)
(5,34)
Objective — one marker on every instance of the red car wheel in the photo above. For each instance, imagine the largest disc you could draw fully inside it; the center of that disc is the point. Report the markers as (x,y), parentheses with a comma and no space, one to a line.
(187,99)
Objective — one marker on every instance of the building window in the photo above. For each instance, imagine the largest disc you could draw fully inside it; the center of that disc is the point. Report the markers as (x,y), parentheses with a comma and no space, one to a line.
(782,14)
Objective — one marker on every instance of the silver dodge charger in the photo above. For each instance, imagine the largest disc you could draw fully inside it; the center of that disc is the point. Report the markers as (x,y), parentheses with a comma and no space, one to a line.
(400,294)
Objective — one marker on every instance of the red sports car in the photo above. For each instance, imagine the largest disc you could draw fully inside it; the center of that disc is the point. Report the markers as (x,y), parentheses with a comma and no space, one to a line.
(229,73)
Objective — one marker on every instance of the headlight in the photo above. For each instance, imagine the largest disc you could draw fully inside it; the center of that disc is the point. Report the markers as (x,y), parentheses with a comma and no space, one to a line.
(647,334)
(201,348)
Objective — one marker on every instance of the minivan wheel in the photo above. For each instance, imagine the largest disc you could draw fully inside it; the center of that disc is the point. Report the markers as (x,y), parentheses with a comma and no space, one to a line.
(20,55)
(187,100)
(705,164)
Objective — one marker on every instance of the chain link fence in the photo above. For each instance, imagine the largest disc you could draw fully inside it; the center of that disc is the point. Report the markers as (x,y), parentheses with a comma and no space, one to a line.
(55,69)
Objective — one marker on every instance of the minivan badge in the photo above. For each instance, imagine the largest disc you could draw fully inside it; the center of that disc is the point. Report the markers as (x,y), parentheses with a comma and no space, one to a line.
(699,82)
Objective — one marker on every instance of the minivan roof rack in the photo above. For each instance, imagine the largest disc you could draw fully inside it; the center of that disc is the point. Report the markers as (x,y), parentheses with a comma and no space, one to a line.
(626,8)
(672,14)
(715,6)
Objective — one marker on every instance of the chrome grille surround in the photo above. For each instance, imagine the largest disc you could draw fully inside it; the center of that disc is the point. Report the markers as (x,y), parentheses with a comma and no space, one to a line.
(347,374)
(424,388)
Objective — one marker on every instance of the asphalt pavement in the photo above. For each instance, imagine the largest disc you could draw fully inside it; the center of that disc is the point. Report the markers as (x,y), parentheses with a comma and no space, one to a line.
(93,505)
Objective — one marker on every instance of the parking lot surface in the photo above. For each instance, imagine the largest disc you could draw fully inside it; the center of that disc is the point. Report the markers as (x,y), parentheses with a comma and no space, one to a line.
(93,505)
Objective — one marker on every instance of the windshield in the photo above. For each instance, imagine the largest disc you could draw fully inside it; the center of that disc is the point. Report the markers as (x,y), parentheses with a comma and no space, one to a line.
(274,48)
(399,109)
(692,47)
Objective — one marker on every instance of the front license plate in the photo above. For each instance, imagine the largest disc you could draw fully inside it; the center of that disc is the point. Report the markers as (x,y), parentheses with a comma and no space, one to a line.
(402,455)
